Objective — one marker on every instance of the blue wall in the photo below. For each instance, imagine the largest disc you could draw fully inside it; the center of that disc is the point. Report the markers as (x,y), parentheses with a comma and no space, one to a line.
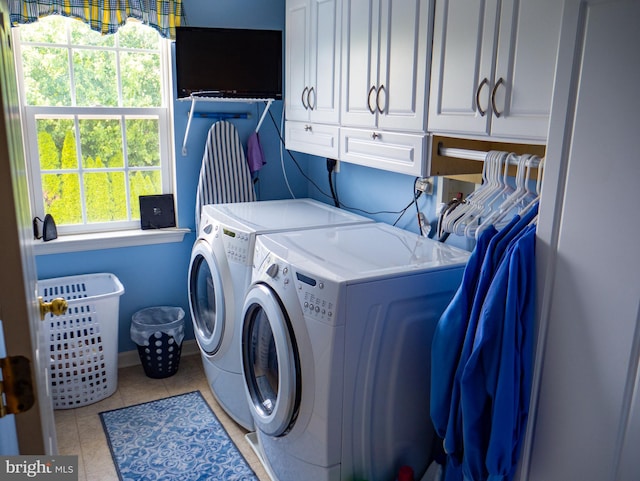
(157,274)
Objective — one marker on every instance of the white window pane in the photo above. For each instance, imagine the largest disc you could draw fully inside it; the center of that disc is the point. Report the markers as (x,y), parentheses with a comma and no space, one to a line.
(51,29)
(95,77)
(140,79)
(46,76)
(101,143)
(143,142)
(136,35)
(57,144)
(62,199)
(105,196)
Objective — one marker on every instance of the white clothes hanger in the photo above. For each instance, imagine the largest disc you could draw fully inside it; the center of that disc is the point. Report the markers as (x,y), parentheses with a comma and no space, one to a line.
(494,204)
(521,198)
(469,203)
(449,219)
(529,206)
(497,162)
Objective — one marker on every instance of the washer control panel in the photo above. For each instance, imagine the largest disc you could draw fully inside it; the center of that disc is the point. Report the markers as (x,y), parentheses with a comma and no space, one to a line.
(237,244)
(317,298)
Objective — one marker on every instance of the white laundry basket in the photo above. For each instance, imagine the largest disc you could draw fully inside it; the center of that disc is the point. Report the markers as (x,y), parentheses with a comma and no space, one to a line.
(83,343)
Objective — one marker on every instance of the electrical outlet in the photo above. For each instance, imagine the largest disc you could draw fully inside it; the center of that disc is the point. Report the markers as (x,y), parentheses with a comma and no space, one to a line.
(425,184)
(449,188)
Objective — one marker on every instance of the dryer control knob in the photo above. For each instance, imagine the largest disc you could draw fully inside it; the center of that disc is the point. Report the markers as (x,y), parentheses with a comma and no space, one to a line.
(272,270)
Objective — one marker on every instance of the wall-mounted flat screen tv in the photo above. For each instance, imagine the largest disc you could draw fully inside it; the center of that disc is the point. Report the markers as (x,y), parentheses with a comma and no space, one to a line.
(229,62)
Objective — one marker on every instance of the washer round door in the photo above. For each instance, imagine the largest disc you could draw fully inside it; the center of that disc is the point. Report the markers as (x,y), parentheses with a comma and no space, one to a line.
(206,298)
(270,362)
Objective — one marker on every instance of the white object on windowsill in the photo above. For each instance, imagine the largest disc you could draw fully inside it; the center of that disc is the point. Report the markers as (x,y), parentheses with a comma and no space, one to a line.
(108,240)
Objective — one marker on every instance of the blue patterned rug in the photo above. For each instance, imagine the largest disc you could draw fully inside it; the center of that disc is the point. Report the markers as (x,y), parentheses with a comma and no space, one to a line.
(177,438)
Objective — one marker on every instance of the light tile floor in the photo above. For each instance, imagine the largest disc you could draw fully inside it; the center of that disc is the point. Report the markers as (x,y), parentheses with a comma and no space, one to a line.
(80,431)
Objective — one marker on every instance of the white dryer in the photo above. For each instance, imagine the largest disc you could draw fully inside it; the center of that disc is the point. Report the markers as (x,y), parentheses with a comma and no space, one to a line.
(336,338)
(220,273)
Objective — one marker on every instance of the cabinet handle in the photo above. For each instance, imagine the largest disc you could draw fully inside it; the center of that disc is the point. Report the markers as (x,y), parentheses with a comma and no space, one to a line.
(307,128)
(378,98)
(375,135)
(311,106)
(371,90)
(306,106)
(482,84)
(493,97)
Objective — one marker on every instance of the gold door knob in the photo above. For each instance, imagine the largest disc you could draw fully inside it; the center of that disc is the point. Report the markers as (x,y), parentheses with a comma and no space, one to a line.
(57,307)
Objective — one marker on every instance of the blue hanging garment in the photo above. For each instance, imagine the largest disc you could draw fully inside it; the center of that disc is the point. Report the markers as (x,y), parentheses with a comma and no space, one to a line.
(454,342)
(453,444)
(496,382)
(449,335)
(447,346)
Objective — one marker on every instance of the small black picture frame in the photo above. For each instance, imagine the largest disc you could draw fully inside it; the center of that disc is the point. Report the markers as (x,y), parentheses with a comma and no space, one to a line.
(157,211)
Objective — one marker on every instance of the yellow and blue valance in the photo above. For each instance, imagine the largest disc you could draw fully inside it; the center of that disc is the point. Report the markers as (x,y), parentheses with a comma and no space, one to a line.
(104,16)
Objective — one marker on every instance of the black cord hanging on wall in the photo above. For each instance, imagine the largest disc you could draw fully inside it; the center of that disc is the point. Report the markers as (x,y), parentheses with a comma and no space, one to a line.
(49,230)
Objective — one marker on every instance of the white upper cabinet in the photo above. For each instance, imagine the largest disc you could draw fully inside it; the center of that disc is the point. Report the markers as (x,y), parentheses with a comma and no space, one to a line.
(312,67)
(385,63)
(493,67)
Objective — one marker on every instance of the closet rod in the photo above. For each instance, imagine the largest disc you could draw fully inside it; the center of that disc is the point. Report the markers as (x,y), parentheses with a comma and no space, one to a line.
(222,115)
(468,154)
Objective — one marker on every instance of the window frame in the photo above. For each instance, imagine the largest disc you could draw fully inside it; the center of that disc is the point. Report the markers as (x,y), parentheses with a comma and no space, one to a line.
(164,114)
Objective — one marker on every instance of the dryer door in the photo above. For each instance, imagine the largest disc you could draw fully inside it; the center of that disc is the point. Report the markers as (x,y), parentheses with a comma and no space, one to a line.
(206,298)
(270,362)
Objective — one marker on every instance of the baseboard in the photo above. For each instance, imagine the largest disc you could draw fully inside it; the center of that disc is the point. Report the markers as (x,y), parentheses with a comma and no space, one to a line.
(131,358)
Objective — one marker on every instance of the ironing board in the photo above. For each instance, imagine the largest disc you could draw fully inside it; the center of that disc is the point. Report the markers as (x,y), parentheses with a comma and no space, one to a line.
(224,175)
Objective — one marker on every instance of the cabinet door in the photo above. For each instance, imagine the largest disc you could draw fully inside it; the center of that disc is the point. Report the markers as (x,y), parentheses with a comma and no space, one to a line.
(525,66)
(462,68)
(405,41)
(360,30)
(296,65)
(324,71)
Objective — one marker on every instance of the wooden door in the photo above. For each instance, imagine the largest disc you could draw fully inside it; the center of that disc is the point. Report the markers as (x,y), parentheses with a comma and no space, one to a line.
(18,303)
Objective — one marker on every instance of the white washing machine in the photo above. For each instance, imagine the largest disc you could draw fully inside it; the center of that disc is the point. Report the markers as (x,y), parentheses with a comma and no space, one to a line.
(220,273)
(336,338)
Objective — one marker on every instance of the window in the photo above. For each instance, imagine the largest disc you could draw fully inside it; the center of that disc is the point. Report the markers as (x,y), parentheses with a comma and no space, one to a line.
(97,121)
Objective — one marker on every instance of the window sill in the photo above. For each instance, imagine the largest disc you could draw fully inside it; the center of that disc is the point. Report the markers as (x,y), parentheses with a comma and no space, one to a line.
(108,240)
